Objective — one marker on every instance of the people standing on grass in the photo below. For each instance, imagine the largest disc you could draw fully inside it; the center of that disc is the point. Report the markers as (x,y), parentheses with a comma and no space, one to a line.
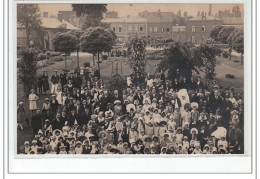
(33,101)
(151,116)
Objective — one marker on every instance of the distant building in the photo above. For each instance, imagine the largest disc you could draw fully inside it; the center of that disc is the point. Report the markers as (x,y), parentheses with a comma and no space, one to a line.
(199,28)
(50,28)
(125,27)
(179,33)
(71,17)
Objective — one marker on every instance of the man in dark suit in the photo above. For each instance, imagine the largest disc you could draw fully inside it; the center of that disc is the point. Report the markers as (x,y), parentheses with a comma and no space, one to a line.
(115,97)
(215,102)
(77,81)
(175,85)
(55,80)
(85,116)
(36,122)
(63,79)
(57,123)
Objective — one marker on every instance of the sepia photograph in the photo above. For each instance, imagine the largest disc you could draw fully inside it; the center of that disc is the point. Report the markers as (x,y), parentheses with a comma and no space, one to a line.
(130,79)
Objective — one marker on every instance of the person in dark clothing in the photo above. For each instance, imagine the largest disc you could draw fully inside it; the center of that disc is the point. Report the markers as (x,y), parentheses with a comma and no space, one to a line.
(36,122)
(63,80)
(184,84)
(96,73)
(215,102)
(85,116)
(45,82)
(54,105)
(39,84)
(55,79)
(58,122)
(72,118)
(175,85)
(77,81)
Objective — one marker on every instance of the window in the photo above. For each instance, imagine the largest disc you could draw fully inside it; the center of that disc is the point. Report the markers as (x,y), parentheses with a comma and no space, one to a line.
(193,29)
(141,28)
(150,29)
(136,28)
(130,28)
(119,29)
(193,39)
(203,28)
(168,29)
(163,29)
(155,29)
(114,29)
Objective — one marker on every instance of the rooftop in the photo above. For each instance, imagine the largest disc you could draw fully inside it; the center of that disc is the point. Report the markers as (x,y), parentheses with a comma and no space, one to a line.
(123,20)
(207,18)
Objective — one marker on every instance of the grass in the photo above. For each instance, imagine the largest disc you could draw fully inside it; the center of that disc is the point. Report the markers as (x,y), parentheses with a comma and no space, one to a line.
(224,66)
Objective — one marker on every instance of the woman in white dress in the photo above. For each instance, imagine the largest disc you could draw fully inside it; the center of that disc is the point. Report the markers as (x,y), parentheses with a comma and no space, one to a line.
(32,101)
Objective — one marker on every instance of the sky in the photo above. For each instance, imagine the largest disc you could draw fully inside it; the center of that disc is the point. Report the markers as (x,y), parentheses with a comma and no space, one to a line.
(133,9)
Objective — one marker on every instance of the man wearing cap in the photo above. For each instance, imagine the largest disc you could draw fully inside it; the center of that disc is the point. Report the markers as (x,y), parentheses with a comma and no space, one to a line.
(55,81)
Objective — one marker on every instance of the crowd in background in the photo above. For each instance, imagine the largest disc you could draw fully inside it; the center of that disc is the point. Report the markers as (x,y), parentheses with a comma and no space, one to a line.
(156,116)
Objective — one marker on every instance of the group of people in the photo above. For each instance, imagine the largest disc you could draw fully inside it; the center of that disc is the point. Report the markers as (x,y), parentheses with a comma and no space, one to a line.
(158,116)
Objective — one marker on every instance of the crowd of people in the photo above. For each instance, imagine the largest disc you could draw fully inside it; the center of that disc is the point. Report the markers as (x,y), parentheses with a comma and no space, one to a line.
(156,116)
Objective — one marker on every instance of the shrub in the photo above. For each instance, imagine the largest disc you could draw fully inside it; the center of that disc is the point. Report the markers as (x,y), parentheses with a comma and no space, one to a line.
(55,54)
(58,58)
(230,76)
(155,55)
(225,54)
(41,56)
(104,57)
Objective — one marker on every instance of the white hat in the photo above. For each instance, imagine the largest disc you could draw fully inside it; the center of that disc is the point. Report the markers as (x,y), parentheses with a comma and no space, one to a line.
(194,104)
(34,142)
(117,102)
(26,143)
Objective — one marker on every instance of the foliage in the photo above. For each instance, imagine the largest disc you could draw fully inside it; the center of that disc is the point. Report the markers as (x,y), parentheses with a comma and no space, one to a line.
(92,13)
(225,54)
(97,39)
(28,16)
(230,76)
(137,59)
(65,42)
(104,57)
(187,58)
(58,58)
(111,14)
(27,69)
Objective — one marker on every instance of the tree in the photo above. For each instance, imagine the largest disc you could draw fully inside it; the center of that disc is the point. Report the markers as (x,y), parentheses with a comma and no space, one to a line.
(92,13)
(238,42)
(96,40)
(28,15)
(187,58)
(236,12)
(27,69)
(77,34)
(198,14)
(66,43)
(214,33)
(136,51)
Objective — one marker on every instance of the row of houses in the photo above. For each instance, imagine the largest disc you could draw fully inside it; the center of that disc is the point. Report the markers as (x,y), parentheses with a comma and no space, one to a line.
(153,25)
(196,29)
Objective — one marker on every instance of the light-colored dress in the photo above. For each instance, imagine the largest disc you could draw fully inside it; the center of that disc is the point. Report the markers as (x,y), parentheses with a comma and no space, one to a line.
(32,101)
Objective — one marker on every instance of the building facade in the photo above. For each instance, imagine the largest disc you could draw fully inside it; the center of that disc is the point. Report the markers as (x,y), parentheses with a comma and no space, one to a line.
(199,28)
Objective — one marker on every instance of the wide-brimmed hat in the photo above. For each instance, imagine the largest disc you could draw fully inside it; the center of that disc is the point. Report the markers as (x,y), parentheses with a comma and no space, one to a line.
(194,130)
(103,132)
(130,107)
(117,102)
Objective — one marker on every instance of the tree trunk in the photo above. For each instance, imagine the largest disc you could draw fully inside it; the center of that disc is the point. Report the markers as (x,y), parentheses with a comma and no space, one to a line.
(27,34)
(98,61)
(78,57)
(66,62)
(94,59)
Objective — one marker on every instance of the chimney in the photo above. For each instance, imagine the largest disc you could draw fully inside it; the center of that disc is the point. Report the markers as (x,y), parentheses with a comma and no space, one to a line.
(60,16)
(210,9)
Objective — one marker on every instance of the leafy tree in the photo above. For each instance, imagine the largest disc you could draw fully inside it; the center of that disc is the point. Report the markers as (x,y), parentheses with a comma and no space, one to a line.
(236,12)
(77,34)
(92,13)
(66,43)
(238,42)
(27,69)
(214,33)
(96,40)
(187,58)
(185,14)
(137,57)
(28,15)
